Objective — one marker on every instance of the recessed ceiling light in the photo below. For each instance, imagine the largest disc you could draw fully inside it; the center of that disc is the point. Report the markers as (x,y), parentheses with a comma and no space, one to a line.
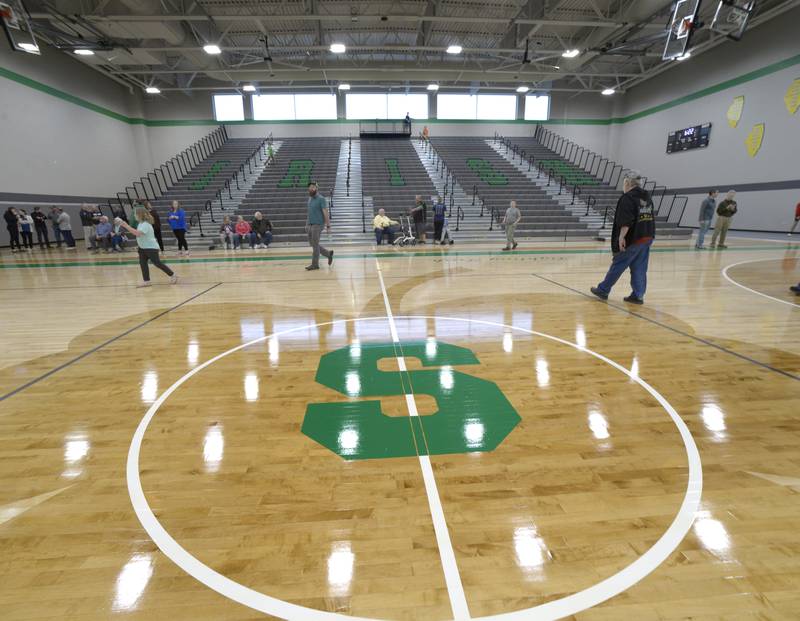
(344,87)
(608,91)
(570,53)
(556,67)
(338,48)
(522,89)
(433,87)
(84,52)
(454,49)
(152,90)
(685,56)
(249,88)
(212,49)
(29,47)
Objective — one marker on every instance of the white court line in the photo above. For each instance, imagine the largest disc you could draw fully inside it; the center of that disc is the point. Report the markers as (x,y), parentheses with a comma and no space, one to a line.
(554,609)
(792,240)
(763,295)
(452,578)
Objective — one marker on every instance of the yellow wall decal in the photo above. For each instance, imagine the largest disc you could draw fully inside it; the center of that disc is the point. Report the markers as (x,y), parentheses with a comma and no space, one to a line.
(792,97)
(754,139)
(735,111)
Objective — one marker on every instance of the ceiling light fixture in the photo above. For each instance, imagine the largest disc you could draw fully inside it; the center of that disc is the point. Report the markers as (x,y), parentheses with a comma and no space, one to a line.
(608,91)
(685,56)
(433,87)
(338,48)
(344,87)
(454,49)
(570,53)
(153,90)
(212,49)
(522,89)
(30,47)
(249,88)
(84,52)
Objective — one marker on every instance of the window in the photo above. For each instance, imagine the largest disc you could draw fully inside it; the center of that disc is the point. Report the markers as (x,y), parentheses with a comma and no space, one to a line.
(537,108)
(315,106)
(228,108)
(273,107)
(456,106)
(497,107)
(366,106)
(415,104)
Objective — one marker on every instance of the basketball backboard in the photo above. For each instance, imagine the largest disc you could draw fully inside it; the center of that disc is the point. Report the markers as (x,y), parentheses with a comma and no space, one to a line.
(731,17)
(681,28)
(16,24)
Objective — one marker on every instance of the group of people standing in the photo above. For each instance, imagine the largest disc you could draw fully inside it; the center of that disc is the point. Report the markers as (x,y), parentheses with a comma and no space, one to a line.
(21,225)
(383,226)
(725,212)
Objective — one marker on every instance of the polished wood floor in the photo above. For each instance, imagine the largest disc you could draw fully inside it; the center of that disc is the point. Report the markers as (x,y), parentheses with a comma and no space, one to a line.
(589,478)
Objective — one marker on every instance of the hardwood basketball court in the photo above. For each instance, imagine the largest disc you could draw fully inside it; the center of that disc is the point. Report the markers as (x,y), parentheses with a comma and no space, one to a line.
(410,434)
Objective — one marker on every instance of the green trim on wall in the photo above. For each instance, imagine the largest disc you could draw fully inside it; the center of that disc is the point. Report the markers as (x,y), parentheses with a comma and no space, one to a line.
(747,77)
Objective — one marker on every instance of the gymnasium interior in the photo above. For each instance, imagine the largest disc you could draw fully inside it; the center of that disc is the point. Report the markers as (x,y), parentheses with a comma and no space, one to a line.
(398,371)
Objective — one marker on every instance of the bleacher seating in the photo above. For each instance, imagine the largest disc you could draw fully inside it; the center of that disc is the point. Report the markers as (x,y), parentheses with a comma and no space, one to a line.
(474,163)
(203,181)
(392,175)
(591,185)
(281,192)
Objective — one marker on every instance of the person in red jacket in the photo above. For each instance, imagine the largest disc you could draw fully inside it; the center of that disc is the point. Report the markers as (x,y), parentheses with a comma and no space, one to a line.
(796,219)
(242,231)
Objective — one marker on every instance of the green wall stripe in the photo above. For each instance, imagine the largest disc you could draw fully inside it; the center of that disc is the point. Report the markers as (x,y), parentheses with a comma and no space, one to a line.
(384,255)
(747,77)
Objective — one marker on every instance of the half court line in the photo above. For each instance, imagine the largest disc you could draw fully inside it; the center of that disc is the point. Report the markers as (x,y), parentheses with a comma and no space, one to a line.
(455,589)
(80,357)
(763,365)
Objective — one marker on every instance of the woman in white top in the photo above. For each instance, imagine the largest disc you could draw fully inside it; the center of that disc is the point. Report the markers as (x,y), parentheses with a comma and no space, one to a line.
(148,246)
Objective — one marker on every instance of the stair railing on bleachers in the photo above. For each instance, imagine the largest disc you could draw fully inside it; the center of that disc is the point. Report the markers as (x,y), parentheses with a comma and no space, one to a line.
(576,192)
(612,181)
(460,215)
(474,192)
(196,217)
(562,184)
(591,201)
(663,189)
(209,207)
(363,216)
(551,176)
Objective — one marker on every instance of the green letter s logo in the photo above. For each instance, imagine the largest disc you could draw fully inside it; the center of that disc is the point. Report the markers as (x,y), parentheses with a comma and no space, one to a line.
(473,415)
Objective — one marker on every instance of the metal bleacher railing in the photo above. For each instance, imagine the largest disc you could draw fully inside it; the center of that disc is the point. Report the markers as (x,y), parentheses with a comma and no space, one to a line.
(169,173)
(606,170)
(449,184)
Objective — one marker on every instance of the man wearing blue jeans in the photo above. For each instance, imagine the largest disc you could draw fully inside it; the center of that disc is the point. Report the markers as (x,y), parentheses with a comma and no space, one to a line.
(707,209)
(631,237)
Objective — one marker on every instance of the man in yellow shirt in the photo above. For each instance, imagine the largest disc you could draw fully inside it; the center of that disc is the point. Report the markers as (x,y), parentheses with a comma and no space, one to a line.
(383,226)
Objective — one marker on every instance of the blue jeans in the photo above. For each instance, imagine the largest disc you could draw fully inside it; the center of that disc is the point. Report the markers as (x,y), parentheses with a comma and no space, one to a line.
(388,231)
(634,257)
(57,234)
(701,233)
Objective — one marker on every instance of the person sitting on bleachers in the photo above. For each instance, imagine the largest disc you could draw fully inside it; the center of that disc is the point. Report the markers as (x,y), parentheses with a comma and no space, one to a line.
(226,232)
(261,236)
(383,225)
(242,232)
(103,233)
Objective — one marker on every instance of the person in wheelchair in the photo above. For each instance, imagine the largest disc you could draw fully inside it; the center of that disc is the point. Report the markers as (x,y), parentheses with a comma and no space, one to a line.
(383,225)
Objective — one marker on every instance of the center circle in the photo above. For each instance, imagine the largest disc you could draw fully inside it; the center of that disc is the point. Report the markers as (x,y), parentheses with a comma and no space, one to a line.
(554,609)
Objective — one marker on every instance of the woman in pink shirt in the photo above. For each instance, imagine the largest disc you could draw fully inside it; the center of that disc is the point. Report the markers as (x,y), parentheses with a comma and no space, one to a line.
(242,230)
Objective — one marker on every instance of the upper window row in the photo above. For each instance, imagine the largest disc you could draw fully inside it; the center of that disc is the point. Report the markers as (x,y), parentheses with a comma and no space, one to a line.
(380,106)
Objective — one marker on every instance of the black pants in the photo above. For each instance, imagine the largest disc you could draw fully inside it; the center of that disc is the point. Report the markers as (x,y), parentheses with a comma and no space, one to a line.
(159,239)
(13,233)
(27,239)
(41,236)
(437,230)
(180,235)
(151,255)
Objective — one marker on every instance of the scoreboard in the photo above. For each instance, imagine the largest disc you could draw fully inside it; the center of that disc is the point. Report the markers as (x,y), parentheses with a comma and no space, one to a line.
(690,138)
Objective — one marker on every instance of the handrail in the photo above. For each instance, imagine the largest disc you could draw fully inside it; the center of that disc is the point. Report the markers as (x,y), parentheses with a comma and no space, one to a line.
(683,209)
(576,191)
(363,216)
(551,175)
(491,219)
(605,216)
(196,214)
(562,184)
(460,215)
(209,207)
(663,193)
(590,203)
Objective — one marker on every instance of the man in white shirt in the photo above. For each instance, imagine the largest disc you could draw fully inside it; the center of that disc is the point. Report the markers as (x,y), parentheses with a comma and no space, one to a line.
(383,225)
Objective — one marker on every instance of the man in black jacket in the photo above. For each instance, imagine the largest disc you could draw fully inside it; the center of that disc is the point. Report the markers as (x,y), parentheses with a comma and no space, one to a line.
(40,222)
(631,237)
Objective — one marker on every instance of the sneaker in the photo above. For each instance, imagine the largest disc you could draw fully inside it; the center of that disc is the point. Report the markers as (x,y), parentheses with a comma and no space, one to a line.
(70,247)
(310,268)
(514,247)
(795,288)
(598,293)
(722,247)
(146,283)
(506,248)
(330,258)
(173,279)
(632,299)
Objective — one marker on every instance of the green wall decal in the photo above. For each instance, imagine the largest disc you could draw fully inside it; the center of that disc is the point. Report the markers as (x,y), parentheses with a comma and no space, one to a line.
(298,175)
(473,414)
(202,182)
(395,178)
(486,172)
